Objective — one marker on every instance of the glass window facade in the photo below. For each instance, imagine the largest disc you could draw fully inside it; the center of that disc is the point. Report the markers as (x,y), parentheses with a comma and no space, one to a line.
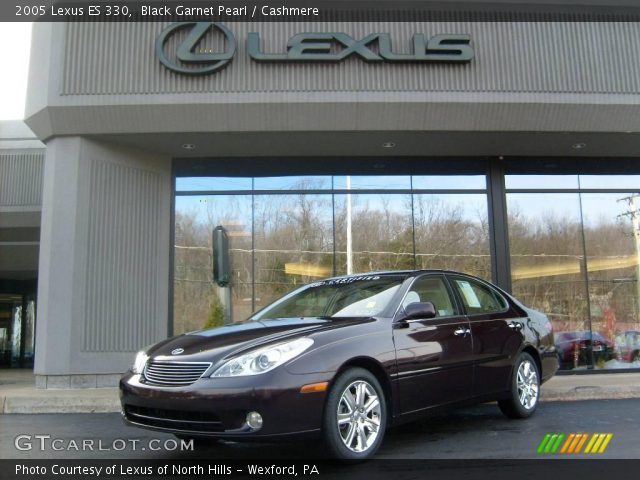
(293,243)
(381,232)
(287,231)
(573,244)
(452,233)
(197,302)
(575,256)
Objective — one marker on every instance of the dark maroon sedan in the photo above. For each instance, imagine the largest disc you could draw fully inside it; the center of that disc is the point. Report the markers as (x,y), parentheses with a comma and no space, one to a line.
(346,358)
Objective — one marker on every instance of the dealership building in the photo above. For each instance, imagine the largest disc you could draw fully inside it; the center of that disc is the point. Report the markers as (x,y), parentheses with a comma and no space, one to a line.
(507,147)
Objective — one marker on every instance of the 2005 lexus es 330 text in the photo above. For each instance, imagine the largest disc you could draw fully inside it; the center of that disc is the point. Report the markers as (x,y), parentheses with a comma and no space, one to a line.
(346,358)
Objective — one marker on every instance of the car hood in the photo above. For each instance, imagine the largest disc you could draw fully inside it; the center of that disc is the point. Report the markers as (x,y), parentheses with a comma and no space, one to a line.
(223,342)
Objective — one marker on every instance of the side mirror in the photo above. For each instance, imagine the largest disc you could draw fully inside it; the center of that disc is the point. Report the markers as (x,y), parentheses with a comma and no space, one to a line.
(420,310)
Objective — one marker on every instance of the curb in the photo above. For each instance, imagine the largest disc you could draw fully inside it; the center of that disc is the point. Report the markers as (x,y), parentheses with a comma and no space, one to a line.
(20,405)
(589,393)
(62,401)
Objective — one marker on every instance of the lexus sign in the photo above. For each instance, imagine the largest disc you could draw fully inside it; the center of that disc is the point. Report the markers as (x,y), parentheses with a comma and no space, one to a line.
(187,58)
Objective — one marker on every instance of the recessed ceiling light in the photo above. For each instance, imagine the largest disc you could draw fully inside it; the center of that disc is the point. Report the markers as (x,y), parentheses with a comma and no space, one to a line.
(579,146)
(189,146)
(388,145)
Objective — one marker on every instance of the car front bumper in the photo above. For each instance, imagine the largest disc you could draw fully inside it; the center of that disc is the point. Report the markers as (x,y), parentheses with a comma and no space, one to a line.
(218,407)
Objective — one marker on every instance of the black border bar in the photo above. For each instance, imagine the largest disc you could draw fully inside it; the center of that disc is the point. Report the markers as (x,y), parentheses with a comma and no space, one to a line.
(320,10)
(469,469)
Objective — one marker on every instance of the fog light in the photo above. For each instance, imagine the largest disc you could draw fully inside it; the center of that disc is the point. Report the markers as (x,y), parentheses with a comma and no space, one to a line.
(254,420)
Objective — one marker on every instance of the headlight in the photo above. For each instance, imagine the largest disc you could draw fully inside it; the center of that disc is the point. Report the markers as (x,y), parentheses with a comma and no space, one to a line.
(263,359)
(140,361)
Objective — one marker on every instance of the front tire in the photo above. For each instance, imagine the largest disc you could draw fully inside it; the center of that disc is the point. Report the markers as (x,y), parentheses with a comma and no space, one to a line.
(525,389)
(355,416)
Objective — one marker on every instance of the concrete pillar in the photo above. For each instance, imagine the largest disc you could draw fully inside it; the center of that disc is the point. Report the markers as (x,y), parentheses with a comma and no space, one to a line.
(104,260)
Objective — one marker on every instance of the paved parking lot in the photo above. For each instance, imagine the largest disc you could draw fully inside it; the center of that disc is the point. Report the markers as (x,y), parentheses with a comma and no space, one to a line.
(479,432)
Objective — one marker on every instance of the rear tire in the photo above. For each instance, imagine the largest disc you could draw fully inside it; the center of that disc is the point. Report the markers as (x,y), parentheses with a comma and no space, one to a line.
(525,389)
(355,416)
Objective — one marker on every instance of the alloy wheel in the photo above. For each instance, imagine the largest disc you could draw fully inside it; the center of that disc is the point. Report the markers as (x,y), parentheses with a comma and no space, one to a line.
(527,384)
(359,416)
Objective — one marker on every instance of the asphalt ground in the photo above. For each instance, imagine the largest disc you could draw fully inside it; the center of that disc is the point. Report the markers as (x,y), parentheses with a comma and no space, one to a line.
(479,432)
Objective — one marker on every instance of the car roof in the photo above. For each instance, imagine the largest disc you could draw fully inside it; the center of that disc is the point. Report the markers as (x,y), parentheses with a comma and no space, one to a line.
(408,273)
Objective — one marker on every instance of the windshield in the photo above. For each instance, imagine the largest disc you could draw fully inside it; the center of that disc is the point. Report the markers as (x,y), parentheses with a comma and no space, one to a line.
(358,296)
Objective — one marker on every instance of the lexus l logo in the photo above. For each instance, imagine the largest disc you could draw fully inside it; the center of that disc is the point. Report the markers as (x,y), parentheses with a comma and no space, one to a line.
(177,351)
(186,53)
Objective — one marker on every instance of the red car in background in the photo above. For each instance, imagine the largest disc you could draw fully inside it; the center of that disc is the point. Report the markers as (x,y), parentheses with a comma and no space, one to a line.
(629,346)
(572,348)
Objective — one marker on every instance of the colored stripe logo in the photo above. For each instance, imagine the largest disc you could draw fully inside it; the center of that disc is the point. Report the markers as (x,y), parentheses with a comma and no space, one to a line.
(574,443)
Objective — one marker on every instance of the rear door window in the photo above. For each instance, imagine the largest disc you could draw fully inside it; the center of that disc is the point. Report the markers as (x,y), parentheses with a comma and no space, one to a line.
(477,297)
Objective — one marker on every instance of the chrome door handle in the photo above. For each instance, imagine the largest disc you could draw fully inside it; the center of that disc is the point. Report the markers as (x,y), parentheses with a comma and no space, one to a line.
(515,325)
(461,331)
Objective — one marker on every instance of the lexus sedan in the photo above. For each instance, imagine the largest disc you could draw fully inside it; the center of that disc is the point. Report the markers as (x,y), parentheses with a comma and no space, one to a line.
(345,359)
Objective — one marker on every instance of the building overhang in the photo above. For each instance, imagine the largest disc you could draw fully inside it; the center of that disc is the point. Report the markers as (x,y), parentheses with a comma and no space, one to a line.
(532,88)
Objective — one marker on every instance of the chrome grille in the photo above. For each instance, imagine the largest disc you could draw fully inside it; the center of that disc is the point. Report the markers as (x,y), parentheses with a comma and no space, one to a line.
(174,374)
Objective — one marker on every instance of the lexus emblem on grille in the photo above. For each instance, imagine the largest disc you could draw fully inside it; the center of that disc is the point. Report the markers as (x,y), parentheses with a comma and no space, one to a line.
(177,351)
